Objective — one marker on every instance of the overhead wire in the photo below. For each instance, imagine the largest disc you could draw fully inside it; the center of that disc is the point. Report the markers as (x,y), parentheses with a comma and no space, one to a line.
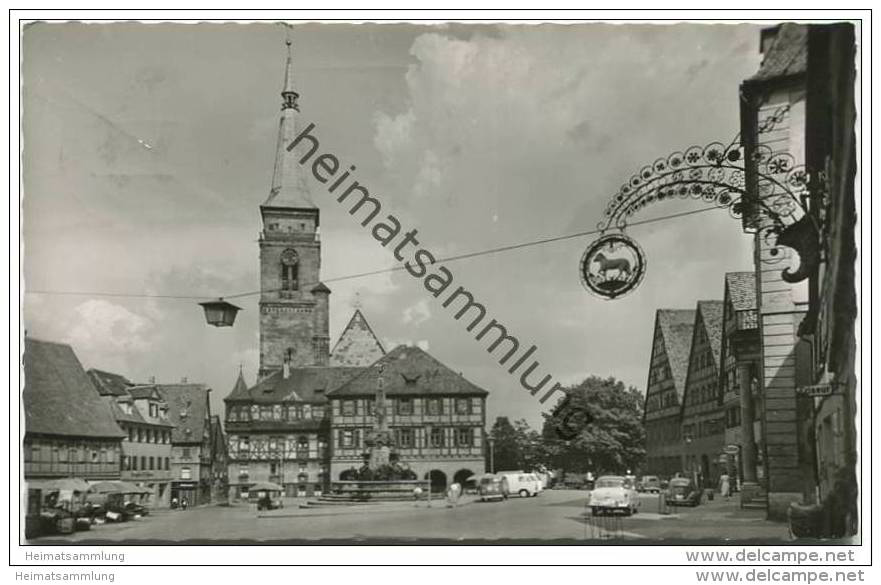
(453,258)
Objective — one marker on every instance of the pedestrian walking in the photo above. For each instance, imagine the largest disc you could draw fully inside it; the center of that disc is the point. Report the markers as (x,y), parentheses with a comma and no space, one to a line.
(725,486)
(453,493)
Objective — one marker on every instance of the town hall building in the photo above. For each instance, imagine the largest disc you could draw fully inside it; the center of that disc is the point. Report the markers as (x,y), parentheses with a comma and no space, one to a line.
(301,425)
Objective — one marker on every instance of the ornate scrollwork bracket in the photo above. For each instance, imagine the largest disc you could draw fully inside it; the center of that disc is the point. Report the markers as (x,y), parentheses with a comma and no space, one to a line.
(774,203)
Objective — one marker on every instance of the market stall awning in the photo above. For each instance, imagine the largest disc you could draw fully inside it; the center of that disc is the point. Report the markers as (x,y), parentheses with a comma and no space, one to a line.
(63,484)
(107,487)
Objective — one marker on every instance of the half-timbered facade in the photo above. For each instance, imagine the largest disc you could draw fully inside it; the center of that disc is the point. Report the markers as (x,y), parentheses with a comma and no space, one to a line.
(666,384)
(69,430)
(703,420)
(189,410)
(437,417)
(278,430)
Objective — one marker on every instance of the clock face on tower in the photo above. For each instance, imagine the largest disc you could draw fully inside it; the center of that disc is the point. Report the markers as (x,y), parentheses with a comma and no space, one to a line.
(289,257)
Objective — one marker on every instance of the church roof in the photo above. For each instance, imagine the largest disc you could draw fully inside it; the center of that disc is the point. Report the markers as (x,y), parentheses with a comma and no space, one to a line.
(409,370)
(677,326)
(307,384)
(59,397)
(289,189)
(357,345)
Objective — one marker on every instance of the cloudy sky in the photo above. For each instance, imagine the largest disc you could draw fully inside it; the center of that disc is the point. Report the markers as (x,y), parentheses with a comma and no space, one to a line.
(148,149)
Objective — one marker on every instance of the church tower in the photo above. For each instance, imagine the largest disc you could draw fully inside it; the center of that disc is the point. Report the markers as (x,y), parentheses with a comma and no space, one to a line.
(294,323)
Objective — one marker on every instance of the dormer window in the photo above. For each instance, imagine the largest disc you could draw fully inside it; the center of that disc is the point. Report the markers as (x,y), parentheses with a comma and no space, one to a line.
(290,265)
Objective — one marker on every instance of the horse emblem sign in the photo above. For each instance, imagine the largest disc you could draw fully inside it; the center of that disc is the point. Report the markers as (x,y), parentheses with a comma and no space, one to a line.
(612,266)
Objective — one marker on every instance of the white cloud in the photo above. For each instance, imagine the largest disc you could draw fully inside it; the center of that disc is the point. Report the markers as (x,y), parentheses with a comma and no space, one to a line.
(104,327)
(417,313)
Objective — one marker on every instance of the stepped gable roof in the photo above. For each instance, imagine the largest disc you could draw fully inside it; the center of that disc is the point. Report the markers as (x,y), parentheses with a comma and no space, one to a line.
(357,345)
(741,290)
(187,410)
(677,327)
(787,55)
(108,383)
(59,397)
(409,370)
(712,313)
(307,384)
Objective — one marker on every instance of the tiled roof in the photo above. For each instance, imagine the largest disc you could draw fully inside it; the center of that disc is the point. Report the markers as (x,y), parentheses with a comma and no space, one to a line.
(712,313)
(120,414)
(240,390)
(409,370)
(59,397)
(357,345)
(108,383)
(308,384)
(677,326)
(143,392)
(187,410)
(787,55)
(741,290)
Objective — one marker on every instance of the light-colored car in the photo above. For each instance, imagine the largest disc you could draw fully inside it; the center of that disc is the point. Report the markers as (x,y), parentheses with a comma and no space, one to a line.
(613,493)
(650,484)
(523,484)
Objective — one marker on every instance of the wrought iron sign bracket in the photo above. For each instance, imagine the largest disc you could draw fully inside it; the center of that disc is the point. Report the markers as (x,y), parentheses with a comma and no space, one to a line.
(770,189)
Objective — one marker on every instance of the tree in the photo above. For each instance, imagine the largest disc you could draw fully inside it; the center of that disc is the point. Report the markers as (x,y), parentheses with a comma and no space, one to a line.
(506,452)
(516,446)
(613,438)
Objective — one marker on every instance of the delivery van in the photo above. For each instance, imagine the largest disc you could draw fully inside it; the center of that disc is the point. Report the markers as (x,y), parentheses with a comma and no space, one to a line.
(524,484)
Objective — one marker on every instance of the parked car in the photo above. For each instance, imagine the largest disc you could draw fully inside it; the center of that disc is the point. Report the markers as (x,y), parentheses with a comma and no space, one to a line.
(493,488)
(613,493)
(133,509)
(523,484)
(683,492)
(650,484)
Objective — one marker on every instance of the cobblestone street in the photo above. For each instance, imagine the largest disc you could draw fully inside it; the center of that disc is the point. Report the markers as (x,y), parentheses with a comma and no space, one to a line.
(553,515)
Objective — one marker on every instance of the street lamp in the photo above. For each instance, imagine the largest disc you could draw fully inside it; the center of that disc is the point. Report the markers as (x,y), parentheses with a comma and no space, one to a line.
(220,313)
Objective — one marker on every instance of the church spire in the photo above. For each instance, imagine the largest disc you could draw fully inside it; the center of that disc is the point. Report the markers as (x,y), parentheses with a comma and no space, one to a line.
(289,96)
(289,188)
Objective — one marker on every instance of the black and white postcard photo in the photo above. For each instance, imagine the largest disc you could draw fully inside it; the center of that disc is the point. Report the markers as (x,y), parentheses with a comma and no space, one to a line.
(328,290)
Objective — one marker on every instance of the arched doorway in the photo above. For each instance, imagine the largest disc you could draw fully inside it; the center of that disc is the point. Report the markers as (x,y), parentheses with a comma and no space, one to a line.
(438,480)
(348,475)
(462,475)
